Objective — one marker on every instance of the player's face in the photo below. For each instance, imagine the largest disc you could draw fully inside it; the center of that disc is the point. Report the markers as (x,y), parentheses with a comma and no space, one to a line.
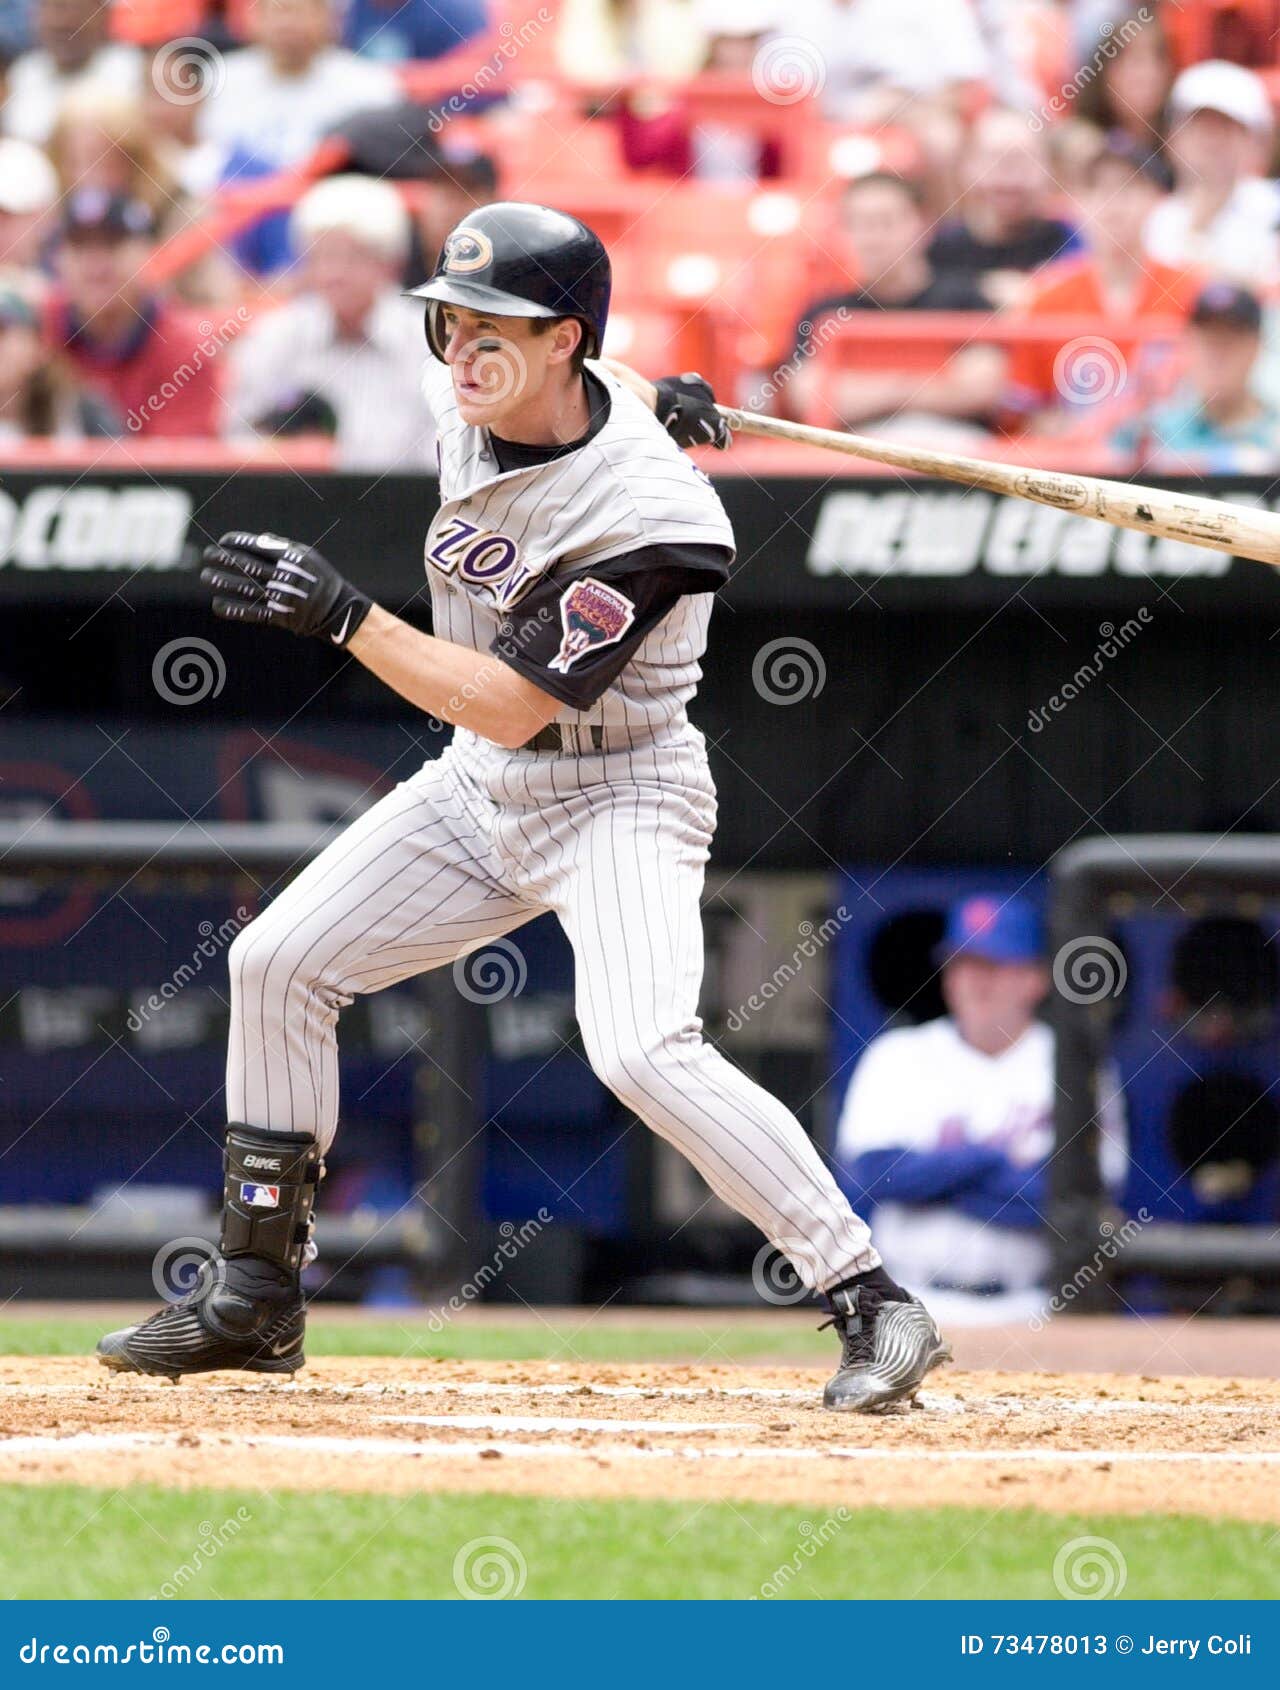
(992,1003)
(501,366)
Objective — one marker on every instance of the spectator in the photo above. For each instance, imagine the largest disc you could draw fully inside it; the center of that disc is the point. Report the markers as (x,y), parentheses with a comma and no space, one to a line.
(1002,232)
(100,140)
(349,341)
(171,101)
(874,55)
(467,179)
(662,133)
(600,43)
(145,356)
(279,97)
(1222,214)
(38,398)
(28,194)
(1215,424)
(1129,95)
(73,48)
(947,1128)
(412,29)
(884,220)
(1130,295)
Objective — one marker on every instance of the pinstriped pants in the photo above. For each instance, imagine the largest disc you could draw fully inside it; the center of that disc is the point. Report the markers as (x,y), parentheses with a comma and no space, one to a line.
(471,847)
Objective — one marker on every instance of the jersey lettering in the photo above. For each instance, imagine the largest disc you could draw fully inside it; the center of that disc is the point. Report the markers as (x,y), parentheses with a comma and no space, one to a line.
(479,557)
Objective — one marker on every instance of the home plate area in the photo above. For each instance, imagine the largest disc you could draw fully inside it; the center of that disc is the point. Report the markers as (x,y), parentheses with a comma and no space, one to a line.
(1066,1442)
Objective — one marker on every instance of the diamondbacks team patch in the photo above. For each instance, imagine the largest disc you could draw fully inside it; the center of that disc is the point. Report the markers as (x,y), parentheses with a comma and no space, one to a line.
(260,1196)
(591,614)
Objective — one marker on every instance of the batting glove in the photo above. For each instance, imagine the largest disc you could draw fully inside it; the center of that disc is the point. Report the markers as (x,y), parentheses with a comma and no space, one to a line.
(264,578)
(686,408)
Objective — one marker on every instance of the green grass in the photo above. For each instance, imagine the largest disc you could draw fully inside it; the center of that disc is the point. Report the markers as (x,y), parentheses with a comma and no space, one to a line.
(63,1540)
(564,1338)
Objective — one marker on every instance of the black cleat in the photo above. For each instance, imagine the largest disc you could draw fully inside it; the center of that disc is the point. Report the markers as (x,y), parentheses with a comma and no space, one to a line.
(216,1327)
(888,1348)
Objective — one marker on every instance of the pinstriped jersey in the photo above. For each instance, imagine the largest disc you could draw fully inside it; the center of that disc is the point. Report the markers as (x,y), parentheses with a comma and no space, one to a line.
(499,537)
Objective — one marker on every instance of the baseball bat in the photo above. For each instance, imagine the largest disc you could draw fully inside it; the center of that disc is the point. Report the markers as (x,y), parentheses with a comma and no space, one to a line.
(1238,529)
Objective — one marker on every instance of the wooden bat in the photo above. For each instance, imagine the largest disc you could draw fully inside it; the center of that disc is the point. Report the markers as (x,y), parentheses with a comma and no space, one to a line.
(1238,529)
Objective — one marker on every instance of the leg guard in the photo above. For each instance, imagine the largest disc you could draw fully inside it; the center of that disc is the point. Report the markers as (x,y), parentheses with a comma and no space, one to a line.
(270,1195)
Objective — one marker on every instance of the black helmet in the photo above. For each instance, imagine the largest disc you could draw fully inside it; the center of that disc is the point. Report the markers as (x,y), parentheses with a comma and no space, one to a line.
(518,260)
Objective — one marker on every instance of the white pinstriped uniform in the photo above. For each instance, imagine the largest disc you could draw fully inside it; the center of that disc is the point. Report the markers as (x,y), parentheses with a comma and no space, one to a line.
(614,840)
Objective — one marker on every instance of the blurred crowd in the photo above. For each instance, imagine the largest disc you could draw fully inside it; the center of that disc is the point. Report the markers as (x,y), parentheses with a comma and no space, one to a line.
(957,220)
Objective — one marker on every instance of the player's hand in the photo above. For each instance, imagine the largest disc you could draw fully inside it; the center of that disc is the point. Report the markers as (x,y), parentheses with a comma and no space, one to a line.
(264,578)
(686,408)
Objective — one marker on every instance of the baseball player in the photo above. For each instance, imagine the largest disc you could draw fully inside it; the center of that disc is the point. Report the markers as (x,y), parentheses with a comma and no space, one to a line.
(572,567)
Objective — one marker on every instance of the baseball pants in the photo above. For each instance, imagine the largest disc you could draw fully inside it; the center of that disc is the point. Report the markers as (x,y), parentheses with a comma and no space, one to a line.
(468,849)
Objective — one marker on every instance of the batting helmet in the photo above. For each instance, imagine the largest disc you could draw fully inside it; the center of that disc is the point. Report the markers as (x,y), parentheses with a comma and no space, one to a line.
(518,260)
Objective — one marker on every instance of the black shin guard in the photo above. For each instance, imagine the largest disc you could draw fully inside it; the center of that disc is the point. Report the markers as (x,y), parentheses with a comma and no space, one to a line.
(269,1196)
(268,1203)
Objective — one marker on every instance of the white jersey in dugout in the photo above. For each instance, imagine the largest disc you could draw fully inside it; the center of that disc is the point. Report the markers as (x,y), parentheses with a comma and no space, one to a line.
(496,536)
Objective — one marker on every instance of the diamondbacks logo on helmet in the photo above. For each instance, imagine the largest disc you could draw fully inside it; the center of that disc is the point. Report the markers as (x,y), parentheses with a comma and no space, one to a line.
(466,250)
(591,615)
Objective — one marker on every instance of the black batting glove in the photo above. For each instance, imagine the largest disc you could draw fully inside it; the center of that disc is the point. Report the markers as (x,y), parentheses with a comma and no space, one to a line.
(264,578)
(686,408)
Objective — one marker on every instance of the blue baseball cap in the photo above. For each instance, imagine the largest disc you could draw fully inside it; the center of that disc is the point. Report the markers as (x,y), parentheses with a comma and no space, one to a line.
(994,928)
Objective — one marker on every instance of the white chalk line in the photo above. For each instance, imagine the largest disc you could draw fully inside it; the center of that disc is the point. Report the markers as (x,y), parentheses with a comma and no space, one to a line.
(562,1423)
(450,1449)
(936,1401)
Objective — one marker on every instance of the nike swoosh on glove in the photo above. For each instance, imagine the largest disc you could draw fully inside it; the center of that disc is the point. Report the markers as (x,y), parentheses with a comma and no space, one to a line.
(686,408)
(266,578)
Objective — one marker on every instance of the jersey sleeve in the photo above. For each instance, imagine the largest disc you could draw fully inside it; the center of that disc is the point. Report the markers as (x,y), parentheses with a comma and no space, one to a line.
(576,630)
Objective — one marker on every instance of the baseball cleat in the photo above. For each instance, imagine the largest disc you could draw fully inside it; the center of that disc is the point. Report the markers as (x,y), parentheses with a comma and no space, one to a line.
(213,1329)
(887,1349)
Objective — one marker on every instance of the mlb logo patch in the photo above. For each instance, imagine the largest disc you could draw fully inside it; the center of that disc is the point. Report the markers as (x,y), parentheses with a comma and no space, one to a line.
(260,1196)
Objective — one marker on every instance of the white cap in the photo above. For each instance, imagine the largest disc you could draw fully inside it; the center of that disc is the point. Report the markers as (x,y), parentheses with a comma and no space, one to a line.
(364,207)
(28,181)
(1217,85)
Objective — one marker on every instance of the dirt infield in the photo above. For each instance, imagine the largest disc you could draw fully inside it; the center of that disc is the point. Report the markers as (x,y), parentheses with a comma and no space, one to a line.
(1077,1442)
